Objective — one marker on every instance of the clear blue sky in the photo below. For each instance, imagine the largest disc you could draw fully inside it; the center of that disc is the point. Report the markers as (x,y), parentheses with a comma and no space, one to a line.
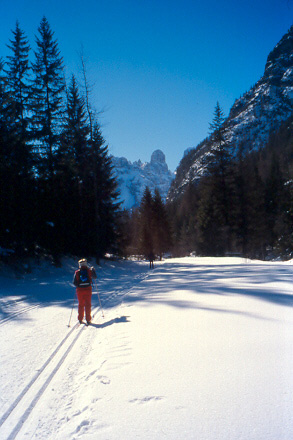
(158,66)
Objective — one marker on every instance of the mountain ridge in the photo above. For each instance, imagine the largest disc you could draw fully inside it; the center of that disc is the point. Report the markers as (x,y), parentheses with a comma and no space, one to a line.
(253,116)
(133,177)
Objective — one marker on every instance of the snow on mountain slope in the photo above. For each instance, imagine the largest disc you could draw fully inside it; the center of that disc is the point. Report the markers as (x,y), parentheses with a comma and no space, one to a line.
(253,116)
(199,348)
(134,177)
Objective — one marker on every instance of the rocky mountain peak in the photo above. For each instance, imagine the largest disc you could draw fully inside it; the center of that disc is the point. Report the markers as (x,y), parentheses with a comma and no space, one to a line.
(252,117)
(280,58)
(134,177)
(158,157)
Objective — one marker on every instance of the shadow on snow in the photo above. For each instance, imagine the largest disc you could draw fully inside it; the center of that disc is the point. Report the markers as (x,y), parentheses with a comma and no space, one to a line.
(123,281)
(120,320)
(260,281)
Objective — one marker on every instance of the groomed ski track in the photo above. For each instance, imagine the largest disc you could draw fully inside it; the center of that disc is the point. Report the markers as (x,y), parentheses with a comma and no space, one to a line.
(12,422)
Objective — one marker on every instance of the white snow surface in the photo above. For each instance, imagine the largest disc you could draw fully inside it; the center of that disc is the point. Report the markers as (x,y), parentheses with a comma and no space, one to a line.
(198,348)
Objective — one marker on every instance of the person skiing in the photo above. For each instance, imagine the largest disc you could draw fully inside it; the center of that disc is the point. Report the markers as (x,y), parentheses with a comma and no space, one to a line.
(83,278)
(151,260)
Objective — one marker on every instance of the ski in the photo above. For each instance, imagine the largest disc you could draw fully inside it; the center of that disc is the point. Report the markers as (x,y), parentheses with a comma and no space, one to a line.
(84,323)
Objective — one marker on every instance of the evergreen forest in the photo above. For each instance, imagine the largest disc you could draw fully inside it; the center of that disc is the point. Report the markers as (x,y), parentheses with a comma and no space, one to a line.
(58,192)
(243,205)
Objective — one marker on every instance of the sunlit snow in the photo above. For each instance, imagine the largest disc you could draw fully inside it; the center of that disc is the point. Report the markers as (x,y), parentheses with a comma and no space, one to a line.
(198,348)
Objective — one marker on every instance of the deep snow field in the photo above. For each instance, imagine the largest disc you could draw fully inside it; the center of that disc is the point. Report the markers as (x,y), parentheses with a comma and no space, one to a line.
(198,348)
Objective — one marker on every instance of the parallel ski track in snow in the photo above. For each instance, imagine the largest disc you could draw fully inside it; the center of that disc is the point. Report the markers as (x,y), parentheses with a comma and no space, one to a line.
(17,313)
(13,420)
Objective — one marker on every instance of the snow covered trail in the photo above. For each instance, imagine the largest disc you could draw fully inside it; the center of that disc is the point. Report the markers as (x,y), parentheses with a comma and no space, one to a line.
(200,348)
(28,339)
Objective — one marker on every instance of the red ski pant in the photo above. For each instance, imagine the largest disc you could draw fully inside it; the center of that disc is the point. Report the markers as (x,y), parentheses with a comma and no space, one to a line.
(84,297)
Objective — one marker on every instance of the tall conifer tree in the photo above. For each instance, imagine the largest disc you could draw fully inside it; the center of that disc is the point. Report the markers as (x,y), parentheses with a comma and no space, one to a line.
(103,199)
(18,80)
(17,190)
(47,96)
(146,224)
(162,231)
(71,169)
(215,206)
(85,174)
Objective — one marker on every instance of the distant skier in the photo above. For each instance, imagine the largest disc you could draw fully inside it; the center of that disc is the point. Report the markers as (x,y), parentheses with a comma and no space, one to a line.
(83,278)
(151,260)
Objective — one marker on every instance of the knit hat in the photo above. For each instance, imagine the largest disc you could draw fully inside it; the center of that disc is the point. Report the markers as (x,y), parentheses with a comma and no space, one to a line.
(82,262)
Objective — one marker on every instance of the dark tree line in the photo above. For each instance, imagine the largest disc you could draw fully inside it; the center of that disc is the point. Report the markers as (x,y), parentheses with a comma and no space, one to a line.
(147,230)
(58,194)
(242,204)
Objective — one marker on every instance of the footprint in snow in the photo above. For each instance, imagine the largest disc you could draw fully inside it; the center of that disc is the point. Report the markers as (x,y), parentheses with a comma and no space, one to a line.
(146,399)
(91,374)
(83,425)
(104,380)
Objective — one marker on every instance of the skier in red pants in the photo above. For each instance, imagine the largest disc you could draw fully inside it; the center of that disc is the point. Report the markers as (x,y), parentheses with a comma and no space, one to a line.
(83,281)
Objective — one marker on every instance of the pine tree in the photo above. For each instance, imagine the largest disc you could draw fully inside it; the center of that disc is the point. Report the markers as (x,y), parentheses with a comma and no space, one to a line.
(284,224)
(274,192)
(162,230)
(216,195)
(87,213)
(182,215)
(75,133)
(71,170)
(6,166)
(47,97)
(217,125)
(18,80)
(146,224)
(220,165)
(17,190)
(210,234)
(240,221)
(87,94)
(105,208)
(256,211)
(130,231)
(69,190)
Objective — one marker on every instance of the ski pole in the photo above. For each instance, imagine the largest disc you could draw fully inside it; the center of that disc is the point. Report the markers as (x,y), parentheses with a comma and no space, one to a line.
(99,299)
(72,310)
